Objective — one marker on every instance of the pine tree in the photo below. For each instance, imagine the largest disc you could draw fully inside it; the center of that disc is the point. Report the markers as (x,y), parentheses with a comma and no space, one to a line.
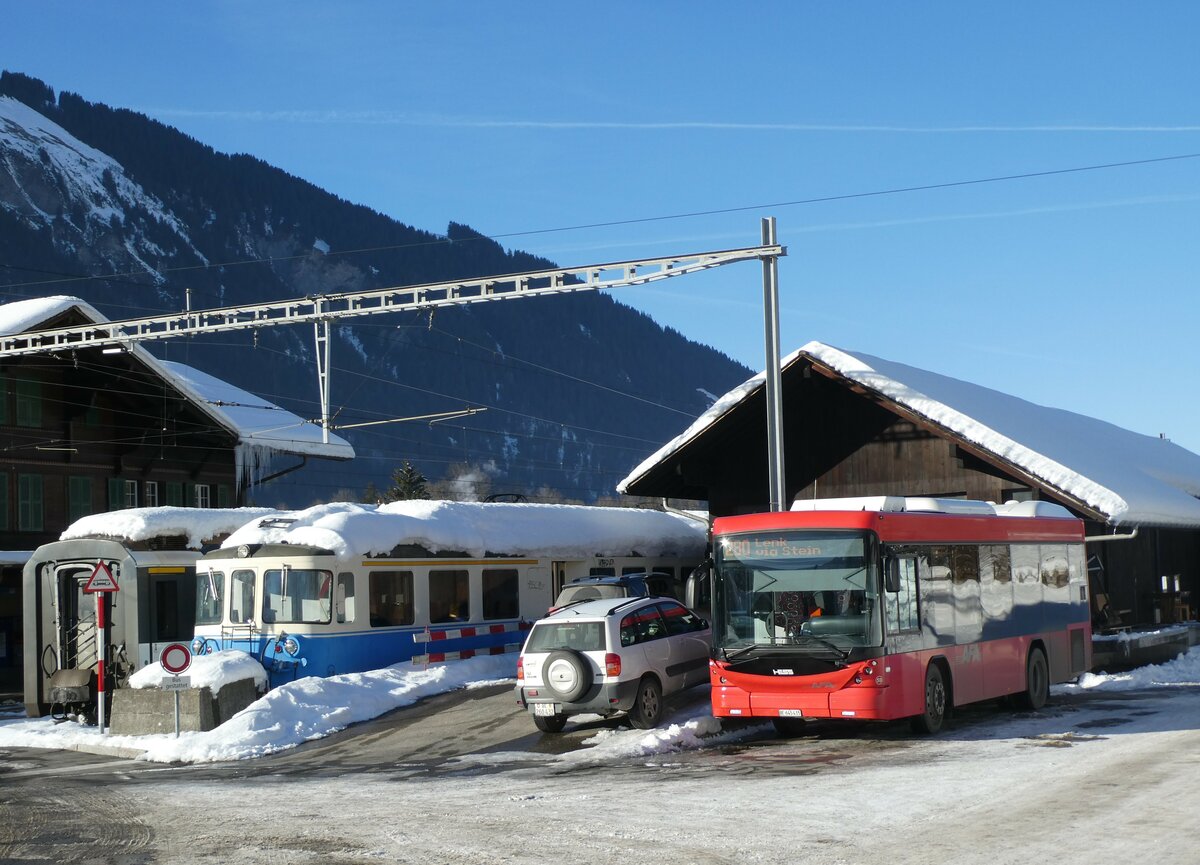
(407,483)
(371,495)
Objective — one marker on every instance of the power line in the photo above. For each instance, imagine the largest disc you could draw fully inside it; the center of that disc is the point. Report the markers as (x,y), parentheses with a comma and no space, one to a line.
(899,190)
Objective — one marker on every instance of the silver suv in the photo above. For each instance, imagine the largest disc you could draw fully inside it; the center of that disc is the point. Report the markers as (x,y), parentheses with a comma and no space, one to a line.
(611,657)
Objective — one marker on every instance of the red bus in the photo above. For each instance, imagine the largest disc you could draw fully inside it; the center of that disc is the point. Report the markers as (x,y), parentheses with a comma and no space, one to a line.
(886,607)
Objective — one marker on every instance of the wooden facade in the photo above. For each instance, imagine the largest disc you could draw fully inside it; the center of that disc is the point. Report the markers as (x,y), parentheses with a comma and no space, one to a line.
(87,432)
(94,432)
(842,439)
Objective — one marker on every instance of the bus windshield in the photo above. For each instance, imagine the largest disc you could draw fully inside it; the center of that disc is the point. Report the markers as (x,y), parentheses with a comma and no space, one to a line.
(795,587)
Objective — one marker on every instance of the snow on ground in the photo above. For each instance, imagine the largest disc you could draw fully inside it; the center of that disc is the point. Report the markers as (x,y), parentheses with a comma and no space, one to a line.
(207,671)
(312,708)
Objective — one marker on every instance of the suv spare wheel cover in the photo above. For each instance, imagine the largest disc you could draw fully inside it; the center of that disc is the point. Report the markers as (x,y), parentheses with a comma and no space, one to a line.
(567,675)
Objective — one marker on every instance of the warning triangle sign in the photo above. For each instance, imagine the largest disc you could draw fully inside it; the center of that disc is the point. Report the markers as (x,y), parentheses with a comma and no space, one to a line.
(101,580)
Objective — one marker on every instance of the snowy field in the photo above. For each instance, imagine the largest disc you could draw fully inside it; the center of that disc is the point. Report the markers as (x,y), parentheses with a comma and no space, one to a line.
(1109,771)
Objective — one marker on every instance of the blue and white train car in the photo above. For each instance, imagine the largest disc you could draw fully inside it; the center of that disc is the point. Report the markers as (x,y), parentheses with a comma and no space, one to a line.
(345,587)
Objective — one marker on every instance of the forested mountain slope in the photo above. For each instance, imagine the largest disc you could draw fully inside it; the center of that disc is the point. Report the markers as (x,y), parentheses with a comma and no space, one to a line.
(130,214)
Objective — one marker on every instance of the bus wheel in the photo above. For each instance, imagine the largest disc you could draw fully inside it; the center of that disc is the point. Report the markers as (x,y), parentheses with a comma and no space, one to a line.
(930,721)
(550,724)
(1037,682)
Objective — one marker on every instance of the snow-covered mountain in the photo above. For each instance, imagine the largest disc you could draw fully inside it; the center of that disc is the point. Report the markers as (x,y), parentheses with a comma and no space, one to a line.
(137,218)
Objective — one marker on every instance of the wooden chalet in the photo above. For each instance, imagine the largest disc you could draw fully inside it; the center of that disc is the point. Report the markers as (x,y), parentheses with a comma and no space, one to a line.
(859,425)
(87,430)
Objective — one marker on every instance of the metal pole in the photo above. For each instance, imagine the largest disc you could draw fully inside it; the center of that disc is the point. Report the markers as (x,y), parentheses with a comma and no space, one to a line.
(321,334)
(101,640)
(176,713)
(775,468)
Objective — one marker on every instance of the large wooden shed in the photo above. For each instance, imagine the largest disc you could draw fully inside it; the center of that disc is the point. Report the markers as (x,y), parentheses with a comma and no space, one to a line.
(861,425)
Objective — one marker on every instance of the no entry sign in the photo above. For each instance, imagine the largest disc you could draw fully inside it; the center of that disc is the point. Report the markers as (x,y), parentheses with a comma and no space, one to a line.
(175,658)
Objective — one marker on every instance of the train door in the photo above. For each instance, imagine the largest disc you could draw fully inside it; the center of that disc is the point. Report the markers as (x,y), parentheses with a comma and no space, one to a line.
(74,643)
(167,610)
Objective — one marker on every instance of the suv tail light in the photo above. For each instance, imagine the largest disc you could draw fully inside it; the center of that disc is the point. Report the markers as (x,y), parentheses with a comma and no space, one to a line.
(520,669)
(612,665)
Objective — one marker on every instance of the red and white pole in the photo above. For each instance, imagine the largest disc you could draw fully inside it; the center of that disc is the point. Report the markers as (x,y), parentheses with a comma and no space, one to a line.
(101,651)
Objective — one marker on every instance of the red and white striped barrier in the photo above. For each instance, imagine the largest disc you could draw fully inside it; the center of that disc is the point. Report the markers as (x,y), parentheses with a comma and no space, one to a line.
(433,636)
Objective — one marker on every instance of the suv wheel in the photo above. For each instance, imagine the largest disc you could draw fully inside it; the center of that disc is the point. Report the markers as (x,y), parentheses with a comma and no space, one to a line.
(567,675)
(550,724)
(647,708)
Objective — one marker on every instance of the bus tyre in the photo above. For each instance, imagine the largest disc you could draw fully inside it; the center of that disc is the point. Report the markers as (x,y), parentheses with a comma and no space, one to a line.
(930,721)
(567,675)
(1037,682)
(647,708)
(551,723)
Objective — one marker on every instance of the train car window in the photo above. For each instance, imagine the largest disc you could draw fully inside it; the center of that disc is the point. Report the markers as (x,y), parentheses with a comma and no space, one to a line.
(500,589)
(210,586)
(449,596)
(390,595)
(297,595)
(241,597)
(345,597)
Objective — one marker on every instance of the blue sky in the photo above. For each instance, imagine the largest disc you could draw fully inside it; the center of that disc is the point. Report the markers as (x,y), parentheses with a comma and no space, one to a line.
(1075,290)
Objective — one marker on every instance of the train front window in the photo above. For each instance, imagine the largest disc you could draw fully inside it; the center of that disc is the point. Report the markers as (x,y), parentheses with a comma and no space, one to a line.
(297,596)
(210,587)
(795,587)
(241,597)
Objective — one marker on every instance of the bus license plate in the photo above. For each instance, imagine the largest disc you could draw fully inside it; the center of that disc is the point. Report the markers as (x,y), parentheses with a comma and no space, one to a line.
(790,713)
(545,709)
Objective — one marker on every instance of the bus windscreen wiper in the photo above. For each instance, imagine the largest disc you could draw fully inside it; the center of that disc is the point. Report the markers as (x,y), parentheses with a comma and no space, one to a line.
(737,653)
(833,647)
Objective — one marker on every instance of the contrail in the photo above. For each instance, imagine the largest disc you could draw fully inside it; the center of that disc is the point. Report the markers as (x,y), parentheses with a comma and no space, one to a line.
(384,118)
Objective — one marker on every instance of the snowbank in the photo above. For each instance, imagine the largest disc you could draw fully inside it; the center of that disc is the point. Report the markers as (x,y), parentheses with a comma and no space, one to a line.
(1183,672)
(207,671)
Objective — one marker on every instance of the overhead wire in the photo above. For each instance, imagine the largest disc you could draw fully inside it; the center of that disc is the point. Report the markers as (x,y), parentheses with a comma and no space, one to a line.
(822,199)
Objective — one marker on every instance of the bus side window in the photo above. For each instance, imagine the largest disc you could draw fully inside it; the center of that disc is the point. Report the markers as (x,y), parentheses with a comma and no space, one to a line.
(901,596)
(345,597)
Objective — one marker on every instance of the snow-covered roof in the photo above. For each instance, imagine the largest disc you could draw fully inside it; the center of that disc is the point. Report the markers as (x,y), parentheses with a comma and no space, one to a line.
(140,524)
(476,528)
(262,428)
(23,315)
(256,420)
(1132,479)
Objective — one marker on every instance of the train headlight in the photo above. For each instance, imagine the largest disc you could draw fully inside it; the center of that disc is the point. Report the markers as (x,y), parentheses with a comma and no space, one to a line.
(198,646)
(291,645)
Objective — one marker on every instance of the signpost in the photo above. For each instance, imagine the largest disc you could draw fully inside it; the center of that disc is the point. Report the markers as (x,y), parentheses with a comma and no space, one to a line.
(101,583)
(175,659)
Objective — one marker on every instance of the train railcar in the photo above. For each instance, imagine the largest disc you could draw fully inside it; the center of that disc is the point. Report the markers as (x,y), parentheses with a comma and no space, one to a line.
(345,587)
(151,554)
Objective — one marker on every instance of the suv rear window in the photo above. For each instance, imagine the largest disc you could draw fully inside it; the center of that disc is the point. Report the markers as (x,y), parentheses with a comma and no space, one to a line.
(570,594)
(581,636)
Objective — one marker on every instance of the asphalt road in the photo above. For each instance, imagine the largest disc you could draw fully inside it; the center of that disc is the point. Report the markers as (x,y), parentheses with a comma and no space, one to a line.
(466,778)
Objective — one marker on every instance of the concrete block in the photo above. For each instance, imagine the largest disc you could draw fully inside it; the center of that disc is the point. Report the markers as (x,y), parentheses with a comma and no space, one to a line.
(143,711)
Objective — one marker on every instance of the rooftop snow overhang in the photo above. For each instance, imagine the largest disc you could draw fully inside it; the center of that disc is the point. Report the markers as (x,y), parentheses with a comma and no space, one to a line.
(1100,470)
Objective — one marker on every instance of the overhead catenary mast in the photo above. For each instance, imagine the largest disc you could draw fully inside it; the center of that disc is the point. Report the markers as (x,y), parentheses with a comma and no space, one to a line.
(324,308)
